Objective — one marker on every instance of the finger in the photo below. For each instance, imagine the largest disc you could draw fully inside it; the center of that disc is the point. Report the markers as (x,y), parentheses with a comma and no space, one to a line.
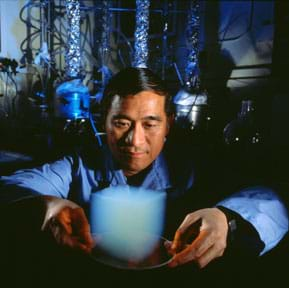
(56,229)
(189,228)
(212,253)
(64,239)
(168,247)
(71,229)
(60,227)
(63,219)
(81,227)
(202,243)
(168,244)
(76,244)
(79,220)
(177,242)
(72,242)
(190,222)
(192,251)
(178,259)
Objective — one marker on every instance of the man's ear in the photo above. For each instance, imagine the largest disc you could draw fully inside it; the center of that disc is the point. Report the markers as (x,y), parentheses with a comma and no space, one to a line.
(103,121)
(170,122)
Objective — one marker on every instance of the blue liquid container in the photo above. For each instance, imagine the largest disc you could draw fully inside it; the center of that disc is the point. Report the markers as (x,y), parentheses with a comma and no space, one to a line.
(71,100)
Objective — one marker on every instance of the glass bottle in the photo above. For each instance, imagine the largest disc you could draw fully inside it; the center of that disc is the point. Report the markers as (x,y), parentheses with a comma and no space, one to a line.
(244,145)
(244,130)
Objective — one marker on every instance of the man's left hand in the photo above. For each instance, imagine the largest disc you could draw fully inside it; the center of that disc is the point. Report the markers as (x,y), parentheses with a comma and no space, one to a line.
(209,230)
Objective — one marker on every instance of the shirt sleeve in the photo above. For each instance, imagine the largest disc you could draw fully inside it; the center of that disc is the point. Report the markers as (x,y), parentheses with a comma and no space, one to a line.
(261,207)
(50,179)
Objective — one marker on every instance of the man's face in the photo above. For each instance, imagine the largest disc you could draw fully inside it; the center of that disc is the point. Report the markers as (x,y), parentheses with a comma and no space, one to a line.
(136,127)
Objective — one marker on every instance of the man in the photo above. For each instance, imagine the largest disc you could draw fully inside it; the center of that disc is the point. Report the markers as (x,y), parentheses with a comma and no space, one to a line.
(137,118)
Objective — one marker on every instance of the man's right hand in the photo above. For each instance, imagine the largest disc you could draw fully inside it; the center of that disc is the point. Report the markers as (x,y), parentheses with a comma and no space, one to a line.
(66,222)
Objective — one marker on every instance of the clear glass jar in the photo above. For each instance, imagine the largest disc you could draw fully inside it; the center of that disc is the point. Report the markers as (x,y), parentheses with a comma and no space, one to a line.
(244,130)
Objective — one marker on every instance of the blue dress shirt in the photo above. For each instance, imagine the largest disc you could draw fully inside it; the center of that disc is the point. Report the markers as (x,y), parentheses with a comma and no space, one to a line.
(72,178)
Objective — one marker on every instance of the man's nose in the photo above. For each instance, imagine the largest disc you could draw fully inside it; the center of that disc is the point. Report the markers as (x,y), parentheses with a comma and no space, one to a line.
(136,136)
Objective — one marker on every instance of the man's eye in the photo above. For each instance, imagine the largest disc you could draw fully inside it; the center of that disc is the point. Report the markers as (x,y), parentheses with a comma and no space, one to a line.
(121,124)
(150,125)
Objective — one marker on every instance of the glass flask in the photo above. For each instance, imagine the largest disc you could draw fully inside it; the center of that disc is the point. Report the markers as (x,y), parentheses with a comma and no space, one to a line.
(244,130)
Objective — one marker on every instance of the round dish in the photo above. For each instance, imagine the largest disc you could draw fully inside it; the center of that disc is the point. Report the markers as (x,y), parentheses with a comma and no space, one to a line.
(157,256)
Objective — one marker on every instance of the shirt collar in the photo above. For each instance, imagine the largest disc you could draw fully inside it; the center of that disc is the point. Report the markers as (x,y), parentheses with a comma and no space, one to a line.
(158,176)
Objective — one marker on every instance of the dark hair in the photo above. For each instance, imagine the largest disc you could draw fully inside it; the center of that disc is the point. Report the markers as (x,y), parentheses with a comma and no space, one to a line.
(131,81)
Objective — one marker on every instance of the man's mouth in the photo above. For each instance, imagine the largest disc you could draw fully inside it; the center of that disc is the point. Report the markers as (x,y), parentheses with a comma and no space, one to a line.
(136,154)
(133,153)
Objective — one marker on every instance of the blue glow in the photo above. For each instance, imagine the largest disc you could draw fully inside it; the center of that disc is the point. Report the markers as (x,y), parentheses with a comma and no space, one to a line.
(127,220)
(72,100)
